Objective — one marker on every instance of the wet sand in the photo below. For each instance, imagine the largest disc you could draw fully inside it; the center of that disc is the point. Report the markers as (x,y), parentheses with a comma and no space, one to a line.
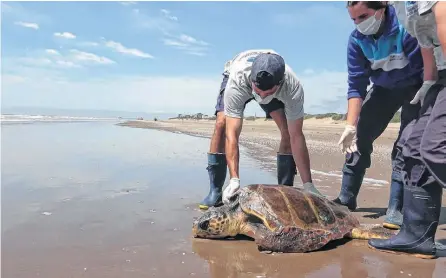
(99,200)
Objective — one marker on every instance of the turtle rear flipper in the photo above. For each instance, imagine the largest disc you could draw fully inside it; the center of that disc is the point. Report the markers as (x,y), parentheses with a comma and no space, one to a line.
(292,240)
(368,231)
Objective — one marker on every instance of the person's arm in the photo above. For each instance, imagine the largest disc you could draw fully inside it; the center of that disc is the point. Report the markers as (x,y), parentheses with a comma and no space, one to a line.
(294,111)
(233,130)
(430,66)
(358,80)
(299,149)
(439,9)
(234,103)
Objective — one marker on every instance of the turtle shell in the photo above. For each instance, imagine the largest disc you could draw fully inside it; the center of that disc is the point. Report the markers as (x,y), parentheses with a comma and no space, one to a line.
(280,206)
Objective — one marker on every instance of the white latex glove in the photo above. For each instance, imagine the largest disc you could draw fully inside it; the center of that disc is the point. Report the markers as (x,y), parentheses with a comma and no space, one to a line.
(422,92)
(348,139)
(231,189)
(309,186)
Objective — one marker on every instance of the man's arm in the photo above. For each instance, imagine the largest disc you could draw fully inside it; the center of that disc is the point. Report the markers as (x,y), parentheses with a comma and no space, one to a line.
(439,9)
(233,130)
(299,149)
(294,111)
(234,102)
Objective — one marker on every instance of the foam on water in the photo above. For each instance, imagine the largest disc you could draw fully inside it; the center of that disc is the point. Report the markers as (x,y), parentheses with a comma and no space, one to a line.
(48,118)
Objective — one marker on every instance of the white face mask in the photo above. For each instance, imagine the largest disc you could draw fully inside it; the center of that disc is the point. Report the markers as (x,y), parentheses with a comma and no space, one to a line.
(370,26)
(262,100)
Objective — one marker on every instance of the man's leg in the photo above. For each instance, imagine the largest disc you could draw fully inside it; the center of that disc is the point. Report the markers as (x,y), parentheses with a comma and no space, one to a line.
(376,113)
(286,166)
(217,167)
(409,113)
(422,191)
(433,144)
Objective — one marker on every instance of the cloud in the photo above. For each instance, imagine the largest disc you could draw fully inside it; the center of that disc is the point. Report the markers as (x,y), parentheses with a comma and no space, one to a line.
(50,60)
(172,33)
(11,79)
(87,57)
(87,44)
(118,47)
(27,24)
(127,3)
(39,86)
(15,11)
(181,94)
(52,51)
(168,15)
(325,91)
(154,21)
(66,35)
(187,44)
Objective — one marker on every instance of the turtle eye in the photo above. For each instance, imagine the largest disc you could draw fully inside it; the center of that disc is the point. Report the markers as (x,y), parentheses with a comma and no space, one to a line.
(204,225)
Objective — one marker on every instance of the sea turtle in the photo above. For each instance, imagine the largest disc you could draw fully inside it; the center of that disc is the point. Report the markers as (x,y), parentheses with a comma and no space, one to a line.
(283,219)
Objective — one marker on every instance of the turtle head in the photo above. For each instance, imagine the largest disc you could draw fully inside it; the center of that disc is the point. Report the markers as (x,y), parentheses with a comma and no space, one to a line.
(216,222)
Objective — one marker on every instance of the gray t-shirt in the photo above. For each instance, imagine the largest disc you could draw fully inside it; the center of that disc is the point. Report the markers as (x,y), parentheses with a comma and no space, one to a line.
(239,90)
(420,24)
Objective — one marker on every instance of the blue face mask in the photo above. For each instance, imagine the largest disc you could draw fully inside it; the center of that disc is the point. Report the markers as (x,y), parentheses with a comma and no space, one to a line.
(370,26)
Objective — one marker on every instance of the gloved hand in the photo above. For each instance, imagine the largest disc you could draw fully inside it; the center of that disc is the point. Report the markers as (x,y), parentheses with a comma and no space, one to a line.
(422,92)
(309,186)
(348,139)
(231,189)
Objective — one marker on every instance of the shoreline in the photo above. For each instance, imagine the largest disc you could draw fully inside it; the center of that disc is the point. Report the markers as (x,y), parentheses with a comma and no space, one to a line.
(262,138)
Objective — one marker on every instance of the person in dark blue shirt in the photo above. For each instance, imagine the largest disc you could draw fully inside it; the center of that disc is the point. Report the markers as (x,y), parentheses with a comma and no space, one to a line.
(380,51)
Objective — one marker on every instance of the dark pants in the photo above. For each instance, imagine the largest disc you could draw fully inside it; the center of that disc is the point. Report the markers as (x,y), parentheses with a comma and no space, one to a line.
(424,141)
(274,105)
(424,176)
(376,113)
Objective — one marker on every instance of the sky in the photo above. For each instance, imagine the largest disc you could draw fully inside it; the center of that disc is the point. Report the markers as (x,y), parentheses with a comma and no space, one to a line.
(164,57)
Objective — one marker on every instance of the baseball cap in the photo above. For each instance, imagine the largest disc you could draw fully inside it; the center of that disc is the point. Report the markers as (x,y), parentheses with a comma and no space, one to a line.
(267,70)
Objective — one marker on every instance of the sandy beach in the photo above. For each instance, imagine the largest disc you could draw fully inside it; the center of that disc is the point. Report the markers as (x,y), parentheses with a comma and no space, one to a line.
(106,200)
(262,138)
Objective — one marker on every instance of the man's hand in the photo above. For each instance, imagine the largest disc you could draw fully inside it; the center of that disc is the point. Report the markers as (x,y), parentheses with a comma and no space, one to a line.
(419,97)
(348,139)
(309,186)
(231,189)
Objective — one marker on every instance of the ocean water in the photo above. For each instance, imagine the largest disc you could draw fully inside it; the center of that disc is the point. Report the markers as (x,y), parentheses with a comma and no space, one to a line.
(70,186)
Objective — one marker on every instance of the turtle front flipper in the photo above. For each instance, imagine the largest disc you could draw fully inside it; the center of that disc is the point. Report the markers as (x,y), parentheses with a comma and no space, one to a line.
(368,231)
(291,240)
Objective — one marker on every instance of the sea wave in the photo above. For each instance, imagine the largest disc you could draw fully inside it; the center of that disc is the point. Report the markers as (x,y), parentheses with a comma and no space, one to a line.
(49,118)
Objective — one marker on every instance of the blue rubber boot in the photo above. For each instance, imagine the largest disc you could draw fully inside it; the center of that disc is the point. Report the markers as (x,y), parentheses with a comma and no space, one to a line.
(217,174)
(351,183)
(421,213)
(394,216)
(286,169)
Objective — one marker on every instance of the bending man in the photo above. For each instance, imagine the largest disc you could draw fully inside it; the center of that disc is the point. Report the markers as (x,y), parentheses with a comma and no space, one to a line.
(264,76)
(217,166)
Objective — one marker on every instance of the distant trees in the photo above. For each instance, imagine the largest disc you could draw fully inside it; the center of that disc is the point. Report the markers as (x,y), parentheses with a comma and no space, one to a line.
(333,116)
